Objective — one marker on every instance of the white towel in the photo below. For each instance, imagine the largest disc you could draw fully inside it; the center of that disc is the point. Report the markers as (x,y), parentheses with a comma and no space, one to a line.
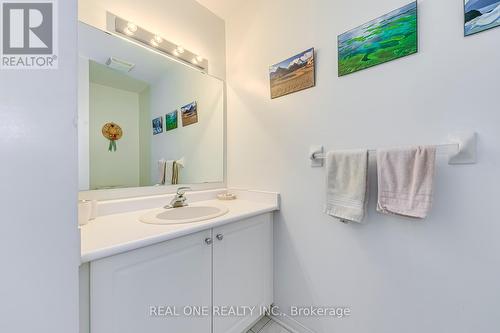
(347,184)
(169,172)
(161,171)
(405,181)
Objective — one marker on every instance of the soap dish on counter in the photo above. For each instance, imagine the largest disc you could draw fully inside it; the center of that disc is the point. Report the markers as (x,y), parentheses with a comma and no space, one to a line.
(226,196)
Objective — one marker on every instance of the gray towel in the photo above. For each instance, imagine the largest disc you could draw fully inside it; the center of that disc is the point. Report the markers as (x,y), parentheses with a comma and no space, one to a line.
(405,181)
(347,185)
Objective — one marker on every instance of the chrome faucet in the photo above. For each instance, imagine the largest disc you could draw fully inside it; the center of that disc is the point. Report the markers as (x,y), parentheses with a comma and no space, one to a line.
(179,200)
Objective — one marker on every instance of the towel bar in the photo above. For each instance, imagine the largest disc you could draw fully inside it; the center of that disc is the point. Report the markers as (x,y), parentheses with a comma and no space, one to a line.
(461,150)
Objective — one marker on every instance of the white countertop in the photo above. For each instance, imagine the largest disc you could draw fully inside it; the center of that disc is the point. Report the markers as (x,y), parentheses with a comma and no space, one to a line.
(117,233)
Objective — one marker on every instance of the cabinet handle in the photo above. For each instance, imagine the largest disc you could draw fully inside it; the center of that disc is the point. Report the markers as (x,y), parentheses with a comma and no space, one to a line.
(209,241)
(220,237)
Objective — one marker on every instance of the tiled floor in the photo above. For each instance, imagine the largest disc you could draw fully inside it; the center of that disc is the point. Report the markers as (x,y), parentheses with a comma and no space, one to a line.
(266,325)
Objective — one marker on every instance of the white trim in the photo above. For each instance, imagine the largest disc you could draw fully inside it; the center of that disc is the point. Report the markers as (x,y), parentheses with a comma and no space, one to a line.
(291,324)
(83,123)
(132,192)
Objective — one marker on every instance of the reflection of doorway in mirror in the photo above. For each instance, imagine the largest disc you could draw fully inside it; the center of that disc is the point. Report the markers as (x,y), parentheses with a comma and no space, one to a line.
(117,99)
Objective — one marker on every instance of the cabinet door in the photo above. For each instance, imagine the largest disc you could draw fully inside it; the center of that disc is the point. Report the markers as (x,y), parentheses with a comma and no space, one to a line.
(176,273)
(243,271)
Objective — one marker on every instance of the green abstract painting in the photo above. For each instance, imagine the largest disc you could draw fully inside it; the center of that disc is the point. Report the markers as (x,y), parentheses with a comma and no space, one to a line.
(171,120)
(386,38)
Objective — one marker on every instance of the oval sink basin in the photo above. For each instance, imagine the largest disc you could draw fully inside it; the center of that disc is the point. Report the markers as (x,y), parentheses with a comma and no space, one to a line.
(181,215)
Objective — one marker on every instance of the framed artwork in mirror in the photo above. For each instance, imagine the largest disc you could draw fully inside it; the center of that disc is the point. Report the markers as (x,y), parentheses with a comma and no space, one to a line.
(171,121)
(157,125)
(189,114)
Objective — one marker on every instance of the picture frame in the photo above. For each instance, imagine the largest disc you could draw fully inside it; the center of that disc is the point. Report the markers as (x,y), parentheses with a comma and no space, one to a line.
(189,114)
(389,37)
(293,74)
(157,125)
(171,121)
(480,15)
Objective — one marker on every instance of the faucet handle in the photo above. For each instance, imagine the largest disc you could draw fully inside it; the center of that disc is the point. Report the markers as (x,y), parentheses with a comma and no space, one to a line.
(182,190)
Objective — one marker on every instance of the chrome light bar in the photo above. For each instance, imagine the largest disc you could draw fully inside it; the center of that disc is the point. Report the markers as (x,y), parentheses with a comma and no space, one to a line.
(133,32)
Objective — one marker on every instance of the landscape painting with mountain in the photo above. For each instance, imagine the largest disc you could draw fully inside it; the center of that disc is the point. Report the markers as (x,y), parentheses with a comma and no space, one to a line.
(189,114)
(481,15)
(386,38)
(292,75)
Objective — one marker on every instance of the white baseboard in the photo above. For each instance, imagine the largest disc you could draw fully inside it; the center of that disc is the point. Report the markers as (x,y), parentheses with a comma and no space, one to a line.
(291,324)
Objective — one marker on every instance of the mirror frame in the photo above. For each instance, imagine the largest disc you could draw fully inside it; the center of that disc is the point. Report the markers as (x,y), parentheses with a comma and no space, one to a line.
(154,190)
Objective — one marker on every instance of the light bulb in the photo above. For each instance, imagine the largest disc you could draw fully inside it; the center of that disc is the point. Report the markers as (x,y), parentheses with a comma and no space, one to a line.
(180,49)
(132,27)
(194,61)
(128,32)
(158,39)
(199,58)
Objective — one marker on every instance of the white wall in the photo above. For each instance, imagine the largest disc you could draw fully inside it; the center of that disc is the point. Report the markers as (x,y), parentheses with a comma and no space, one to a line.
(183,22)
(396,275)
(119,168)
(201,144)
(39,240)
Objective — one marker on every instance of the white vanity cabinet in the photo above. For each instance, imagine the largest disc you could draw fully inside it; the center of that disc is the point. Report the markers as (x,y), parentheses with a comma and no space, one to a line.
(243,271)
(230,265)
(173,273)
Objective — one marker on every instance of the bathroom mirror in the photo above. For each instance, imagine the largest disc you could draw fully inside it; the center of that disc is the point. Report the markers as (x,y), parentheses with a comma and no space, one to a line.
(145,120)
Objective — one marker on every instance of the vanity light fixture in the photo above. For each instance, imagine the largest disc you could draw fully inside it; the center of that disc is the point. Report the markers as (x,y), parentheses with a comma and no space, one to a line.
(134,33)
